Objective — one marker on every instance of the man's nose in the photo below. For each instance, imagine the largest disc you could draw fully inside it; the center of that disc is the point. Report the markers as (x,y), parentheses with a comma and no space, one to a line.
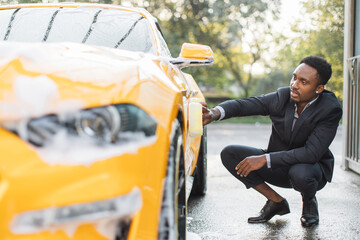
(294,84)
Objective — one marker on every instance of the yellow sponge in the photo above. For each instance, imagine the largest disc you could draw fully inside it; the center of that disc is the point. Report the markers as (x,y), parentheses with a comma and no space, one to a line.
(195,119)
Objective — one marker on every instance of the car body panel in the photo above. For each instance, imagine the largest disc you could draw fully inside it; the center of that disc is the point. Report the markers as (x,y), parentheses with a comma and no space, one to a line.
(79,69)
(66,185)
(76,76)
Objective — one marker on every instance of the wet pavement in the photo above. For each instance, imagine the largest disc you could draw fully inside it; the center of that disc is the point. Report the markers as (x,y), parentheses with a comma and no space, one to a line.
(222,214)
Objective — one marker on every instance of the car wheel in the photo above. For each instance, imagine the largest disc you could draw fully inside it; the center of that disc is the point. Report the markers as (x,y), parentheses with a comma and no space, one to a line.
(200,183)
(172,223)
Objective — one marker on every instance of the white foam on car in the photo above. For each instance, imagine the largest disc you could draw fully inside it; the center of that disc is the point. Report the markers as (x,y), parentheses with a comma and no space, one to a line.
(35,94)
(68,150)
(34,97)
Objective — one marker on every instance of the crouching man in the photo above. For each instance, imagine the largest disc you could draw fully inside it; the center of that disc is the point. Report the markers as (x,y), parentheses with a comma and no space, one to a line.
(305,118)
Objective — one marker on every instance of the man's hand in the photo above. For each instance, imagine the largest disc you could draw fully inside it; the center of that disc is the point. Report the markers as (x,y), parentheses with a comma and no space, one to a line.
(209,115)
(250,164)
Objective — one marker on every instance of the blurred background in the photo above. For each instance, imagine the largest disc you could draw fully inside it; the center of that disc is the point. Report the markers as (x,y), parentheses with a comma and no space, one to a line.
(257,43)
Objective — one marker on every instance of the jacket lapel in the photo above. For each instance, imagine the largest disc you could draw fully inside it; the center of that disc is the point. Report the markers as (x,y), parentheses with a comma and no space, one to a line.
(289,118)
(299,122)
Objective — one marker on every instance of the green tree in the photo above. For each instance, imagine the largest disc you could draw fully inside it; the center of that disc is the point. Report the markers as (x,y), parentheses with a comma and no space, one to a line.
(235,29)
(323,37)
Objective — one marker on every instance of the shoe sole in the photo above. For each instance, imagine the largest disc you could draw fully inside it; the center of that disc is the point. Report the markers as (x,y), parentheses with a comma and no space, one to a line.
(264,220)
(309,225)
(283,212)
(259,221)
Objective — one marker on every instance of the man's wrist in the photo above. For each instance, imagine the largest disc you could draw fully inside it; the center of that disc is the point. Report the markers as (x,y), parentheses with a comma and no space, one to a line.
(222,112)
(214,114)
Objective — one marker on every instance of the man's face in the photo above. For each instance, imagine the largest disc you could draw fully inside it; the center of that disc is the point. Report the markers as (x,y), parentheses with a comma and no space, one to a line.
(304,84)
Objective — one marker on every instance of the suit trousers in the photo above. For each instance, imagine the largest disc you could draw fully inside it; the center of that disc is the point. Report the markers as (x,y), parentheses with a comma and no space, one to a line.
(305,178)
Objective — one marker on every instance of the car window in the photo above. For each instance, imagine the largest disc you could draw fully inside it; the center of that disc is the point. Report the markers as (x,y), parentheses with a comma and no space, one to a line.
(103,27)
(164,48)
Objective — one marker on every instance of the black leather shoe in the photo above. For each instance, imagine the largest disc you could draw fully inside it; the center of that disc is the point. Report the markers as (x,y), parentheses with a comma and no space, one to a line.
(269,210)
(310,213)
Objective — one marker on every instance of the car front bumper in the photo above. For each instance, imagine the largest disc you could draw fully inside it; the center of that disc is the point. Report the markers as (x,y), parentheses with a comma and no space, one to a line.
(30,185)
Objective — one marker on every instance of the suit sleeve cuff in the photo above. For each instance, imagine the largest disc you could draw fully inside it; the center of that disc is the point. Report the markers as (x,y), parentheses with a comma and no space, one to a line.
(222,112)
(268,162)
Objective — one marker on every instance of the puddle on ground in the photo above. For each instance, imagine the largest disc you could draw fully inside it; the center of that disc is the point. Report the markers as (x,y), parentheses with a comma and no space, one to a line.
(206,236)
(192,236)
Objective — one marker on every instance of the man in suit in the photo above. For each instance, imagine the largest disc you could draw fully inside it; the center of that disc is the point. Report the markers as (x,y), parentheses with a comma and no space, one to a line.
(305,118)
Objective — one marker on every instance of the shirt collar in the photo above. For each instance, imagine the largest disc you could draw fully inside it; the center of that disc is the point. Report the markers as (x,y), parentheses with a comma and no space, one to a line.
(307,105)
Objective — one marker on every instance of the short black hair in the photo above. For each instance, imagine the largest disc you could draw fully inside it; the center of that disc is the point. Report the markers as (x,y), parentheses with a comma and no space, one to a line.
(321,65)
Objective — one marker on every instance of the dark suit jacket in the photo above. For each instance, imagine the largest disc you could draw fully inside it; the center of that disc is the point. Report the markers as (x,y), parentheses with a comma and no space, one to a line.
(313,132)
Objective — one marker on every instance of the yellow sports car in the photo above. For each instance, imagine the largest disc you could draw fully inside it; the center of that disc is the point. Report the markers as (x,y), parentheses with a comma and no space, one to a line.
(100,130)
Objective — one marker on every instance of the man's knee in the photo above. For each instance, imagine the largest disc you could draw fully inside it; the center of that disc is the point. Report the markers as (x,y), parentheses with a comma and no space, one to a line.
(304,177)
(233,154)
(227,155)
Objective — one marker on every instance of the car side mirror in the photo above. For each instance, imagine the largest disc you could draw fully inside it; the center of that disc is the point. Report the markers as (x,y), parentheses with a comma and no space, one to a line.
(194,55)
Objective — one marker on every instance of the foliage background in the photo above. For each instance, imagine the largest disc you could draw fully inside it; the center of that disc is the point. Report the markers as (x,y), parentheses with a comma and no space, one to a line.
(241,35)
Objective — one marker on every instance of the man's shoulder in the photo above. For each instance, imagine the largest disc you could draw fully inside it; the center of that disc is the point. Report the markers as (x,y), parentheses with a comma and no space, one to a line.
(278,100)
(280,92)
(329,97)
(329,104)
(283,94)
(283,91)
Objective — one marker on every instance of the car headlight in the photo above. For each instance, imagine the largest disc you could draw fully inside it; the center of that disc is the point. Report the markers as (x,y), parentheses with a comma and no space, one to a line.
(118,208)
(109,124)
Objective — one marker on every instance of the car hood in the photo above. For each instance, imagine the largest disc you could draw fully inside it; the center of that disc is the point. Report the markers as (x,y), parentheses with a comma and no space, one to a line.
(43,78)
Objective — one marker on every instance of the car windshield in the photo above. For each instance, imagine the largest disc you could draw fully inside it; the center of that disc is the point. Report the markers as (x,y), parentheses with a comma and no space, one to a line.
(96,26)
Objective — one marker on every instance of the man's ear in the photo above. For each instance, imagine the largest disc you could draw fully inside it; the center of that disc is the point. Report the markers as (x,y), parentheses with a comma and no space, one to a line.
(320,89)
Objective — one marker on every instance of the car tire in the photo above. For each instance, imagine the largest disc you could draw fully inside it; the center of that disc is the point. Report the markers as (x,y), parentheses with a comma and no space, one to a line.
(200,178)
(172,222)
